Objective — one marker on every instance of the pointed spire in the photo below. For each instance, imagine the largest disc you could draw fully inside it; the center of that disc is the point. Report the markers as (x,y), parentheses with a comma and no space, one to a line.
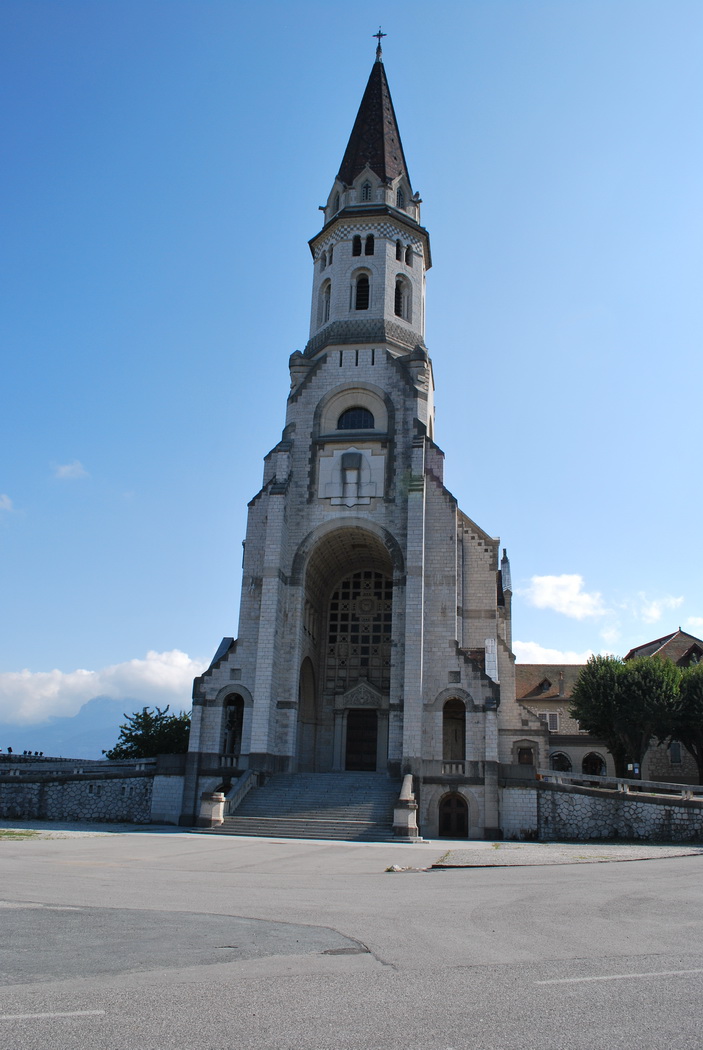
(505,572)
(375,139)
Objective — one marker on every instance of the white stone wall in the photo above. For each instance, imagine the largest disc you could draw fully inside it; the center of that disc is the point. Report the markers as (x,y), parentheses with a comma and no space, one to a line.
(518,813)
(166,799)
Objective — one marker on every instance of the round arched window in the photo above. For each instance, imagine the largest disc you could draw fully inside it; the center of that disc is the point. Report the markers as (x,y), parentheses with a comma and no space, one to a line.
(356,419)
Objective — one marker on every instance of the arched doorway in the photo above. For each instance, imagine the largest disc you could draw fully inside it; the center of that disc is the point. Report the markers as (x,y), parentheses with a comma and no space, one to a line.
(593,765)
(560,762)
(453,817)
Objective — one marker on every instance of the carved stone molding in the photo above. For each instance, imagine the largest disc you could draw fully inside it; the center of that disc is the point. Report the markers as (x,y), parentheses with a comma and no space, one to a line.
(362,695)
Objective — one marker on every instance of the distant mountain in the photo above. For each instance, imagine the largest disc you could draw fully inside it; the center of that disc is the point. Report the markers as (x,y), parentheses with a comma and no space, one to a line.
(86,734)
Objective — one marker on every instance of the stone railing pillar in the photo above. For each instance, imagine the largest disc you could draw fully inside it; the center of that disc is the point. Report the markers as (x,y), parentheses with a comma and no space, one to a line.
(405,813)
(212,809)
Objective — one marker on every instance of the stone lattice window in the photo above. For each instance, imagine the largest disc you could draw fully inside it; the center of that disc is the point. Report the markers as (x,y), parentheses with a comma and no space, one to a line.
(359,634)
(356,419)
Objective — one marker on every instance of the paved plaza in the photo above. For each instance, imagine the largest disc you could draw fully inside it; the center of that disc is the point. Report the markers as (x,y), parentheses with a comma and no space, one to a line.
(138,939)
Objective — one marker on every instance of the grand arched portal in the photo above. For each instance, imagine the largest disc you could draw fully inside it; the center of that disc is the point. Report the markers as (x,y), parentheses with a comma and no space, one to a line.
(347,640)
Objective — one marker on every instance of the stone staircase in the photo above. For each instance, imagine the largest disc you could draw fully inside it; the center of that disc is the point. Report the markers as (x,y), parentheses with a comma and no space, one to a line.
(352,807)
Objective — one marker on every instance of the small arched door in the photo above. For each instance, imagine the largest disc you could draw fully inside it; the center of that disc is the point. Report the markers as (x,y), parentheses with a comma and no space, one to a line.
(453,817)
(593,765)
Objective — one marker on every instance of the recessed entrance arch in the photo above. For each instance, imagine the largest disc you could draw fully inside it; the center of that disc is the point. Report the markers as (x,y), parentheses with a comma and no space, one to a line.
(349,575)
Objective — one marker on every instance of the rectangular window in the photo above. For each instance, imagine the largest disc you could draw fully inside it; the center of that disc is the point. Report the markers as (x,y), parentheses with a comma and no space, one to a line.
(675,753)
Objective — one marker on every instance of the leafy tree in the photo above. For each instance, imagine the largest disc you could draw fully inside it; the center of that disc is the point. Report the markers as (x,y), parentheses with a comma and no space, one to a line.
(688,714)
(147,733)
(594,703)
(626,705)
(649,689)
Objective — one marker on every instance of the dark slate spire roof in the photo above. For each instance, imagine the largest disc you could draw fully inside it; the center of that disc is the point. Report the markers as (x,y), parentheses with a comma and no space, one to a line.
(375,139)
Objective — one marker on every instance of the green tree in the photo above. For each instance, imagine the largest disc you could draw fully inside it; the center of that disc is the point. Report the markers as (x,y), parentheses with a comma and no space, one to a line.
(147,733)
(627,705)
(649,690)
(688,714)
(594,703)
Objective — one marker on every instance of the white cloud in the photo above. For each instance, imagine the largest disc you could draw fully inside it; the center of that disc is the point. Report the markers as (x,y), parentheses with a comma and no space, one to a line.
(5,502)
(534,653)
(28,697)
(70,471)
(695,621)
(564,594)
(611,635)
(651,609)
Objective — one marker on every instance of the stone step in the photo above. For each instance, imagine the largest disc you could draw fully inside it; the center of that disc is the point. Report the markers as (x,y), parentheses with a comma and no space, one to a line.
(344,806)
(276,827)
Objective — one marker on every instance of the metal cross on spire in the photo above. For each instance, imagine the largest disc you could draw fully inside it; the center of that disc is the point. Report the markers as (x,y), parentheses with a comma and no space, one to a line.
(379,36)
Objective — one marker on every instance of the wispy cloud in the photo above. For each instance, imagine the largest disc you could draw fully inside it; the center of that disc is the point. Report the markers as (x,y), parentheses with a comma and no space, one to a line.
(564,594)
(534,653)
(29,697)
(651,610)
(5,502)
(611,634)
(695,621)
(70,471)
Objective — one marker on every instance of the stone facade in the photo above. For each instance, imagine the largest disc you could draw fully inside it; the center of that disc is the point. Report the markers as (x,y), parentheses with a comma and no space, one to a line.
(375,617)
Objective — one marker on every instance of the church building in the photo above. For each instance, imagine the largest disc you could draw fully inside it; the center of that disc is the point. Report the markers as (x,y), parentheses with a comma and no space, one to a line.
(375,620)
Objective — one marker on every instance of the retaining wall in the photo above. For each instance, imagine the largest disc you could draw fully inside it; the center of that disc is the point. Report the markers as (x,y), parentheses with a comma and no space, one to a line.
(137,791)
(104,800)
(557,812)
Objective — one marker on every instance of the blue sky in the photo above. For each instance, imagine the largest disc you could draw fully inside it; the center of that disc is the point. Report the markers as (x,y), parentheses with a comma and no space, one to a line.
(162,167)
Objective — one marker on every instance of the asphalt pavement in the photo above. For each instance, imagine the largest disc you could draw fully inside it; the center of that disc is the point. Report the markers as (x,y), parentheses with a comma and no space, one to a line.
(145,939)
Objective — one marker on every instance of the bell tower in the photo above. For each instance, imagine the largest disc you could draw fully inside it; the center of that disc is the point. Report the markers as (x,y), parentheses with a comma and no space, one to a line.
(374,627)
(371,255)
